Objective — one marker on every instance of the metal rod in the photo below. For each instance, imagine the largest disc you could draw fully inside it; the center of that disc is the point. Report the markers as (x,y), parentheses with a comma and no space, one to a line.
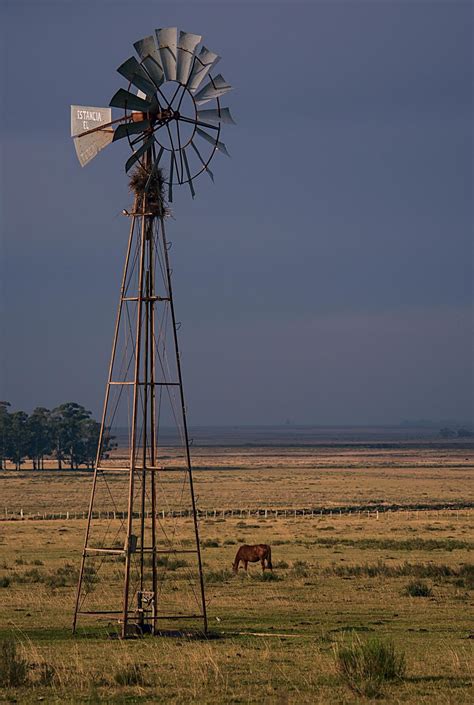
(185,425)
(100,612)
(137,467)
(171,550)
(151,265)
(144,384)
(178,616)
(104,412)
(145,420)
(134,425)
(146,298)
(101,127)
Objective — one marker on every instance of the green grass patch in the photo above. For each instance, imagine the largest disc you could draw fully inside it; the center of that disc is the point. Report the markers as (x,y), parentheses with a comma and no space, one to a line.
(418,588)
(13,668)
(365,666)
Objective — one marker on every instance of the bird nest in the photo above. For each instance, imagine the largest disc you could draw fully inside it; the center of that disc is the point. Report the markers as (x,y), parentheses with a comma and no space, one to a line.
(151,199)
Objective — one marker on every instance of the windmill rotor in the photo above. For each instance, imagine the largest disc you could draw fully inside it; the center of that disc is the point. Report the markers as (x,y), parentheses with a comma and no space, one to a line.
(172,114)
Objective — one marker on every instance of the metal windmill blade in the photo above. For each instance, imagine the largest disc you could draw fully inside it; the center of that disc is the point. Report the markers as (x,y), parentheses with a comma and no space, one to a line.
(167,44)
(209,138)
(205,166)
(216,88)
(131,128)
(137,75)
(186,48)
(204,62)
(150,58)
(216,115)
(129,101)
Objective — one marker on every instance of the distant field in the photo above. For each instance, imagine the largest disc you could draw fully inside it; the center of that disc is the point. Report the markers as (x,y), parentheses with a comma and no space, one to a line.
(275,477)
(334,576)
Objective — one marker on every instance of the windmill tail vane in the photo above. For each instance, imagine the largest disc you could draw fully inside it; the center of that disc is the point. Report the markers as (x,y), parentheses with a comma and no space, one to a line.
(142,533)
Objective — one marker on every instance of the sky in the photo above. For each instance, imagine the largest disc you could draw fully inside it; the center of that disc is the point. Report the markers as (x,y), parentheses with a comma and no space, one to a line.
(324,278)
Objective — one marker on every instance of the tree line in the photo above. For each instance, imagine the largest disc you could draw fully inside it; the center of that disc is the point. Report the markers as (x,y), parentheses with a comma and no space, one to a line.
(67,433)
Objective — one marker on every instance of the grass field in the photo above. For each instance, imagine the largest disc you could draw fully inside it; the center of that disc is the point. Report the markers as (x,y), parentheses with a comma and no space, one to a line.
(277,477)
(274,639)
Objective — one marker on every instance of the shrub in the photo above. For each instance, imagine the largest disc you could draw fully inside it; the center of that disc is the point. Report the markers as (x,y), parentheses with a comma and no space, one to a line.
(268,577)
(129,674)
(179,563)
(13,669)
(90,578)
(229,542)
(217,576)
(210,543)
(30,576)
(282,565)
(466,576)
(300,569)
(366,666)
(4,581)
(418,588)
(67,575)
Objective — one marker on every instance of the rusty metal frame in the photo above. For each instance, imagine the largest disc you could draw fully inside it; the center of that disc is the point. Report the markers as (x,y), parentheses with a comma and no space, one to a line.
(150,229)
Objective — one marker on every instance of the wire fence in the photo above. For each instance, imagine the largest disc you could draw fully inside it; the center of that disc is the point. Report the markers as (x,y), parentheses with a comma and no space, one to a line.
(413,512)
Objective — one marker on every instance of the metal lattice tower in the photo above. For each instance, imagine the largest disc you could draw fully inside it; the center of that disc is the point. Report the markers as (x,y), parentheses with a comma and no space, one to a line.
(137,495)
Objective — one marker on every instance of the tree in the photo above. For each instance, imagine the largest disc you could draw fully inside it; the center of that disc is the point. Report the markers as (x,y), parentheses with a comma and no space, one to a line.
(17,448)
(5,422)
(67,434)
(86,449)
(40,436)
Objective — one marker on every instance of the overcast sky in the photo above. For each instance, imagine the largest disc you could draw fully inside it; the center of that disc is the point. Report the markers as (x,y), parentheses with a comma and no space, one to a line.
(324,278)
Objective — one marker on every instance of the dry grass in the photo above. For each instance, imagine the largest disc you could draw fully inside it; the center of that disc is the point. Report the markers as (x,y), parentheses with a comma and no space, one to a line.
(261,477)
(337,576)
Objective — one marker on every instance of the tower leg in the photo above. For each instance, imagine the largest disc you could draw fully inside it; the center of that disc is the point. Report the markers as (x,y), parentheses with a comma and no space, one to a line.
(130,544)
(104,414)
(185,423)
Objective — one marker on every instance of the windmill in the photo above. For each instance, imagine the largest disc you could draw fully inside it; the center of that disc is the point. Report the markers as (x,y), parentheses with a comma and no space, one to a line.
(137,497)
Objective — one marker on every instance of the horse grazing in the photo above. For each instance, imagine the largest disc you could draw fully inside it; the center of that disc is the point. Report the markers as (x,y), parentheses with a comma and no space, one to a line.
(251,554)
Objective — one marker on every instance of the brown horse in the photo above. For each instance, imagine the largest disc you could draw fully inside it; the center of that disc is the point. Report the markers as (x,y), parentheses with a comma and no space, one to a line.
(251,554)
